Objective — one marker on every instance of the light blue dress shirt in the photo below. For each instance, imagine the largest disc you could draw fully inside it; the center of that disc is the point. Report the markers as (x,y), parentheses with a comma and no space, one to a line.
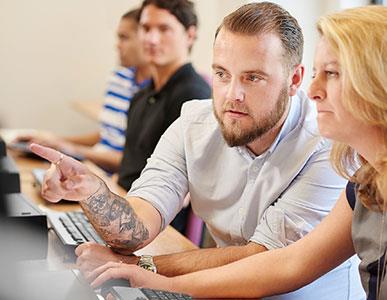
(272,199)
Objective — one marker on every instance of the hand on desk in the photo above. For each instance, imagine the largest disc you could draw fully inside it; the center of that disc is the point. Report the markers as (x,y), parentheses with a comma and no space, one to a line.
(67,178)
(50,140)
(137,276)
(38,137)
(93,255)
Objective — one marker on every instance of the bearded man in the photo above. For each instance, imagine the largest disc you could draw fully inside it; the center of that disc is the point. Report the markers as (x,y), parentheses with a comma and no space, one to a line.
(256,168)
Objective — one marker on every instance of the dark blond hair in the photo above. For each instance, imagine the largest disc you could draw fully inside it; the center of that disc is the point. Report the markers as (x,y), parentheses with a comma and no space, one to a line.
(359,39)
(267,17)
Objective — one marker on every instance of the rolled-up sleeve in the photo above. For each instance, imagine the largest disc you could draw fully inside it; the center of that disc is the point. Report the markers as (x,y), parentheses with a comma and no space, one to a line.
(163,181)
(306,201)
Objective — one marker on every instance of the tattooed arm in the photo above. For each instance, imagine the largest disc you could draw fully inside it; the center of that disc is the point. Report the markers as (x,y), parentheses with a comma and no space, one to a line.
(125,224)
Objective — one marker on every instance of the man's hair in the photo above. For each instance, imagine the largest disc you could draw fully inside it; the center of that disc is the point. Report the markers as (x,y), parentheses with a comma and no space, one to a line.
(183,10)
(267,17)
(133,15)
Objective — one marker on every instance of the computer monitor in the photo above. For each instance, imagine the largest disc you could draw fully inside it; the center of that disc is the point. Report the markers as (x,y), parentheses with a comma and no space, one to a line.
(3,147)
(9,175)
(23,227)
(3,204)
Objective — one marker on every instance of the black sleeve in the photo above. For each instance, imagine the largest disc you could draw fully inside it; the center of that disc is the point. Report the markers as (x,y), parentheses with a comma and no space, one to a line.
(350,192)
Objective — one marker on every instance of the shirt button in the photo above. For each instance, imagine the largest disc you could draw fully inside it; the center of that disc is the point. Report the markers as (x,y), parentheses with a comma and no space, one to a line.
(241,212)
(252,176)
(152,100)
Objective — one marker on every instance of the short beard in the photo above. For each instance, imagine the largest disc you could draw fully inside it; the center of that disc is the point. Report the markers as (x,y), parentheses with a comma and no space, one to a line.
(235,136)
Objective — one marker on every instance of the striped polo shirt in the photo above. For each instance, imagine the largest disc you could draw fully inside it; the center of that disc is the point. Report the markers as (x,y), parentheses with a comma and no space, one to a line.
(122,86)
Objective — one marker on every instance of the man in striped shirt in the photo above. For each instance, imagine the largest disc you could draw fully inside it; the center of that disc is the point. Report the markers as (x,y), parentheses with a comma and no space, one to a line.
(122,86)
(104,147)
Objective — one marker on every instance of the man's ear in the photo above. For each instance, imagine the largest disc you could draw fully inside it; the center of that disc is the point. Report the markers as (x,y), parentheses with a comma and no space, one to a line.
(192,35)
(295,78)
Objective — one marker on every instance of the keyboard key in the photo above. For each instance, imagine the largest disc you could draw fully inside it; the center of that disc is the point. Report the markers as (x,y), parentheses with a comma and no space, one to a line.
(163,295)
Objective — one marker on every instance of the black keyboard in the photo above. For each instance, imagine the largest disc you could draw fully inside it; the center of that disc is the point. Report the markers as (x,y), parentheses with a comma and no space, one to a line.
(127,293)
(73,228)
(156,294)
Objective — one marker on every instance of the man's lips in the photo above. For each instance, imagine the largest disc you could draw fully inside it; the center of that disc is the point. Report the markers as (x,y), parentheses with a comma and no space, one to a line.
(236,113)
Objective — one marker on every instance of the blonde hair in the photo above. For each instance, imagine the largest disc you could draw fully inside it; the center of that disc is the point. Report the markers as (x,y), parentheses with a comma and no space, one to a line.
(359,39)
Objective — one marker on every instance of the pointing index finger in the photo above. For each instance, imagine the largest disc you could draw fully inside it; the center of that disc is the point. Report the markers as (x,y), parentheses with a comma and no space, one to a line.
(49,154)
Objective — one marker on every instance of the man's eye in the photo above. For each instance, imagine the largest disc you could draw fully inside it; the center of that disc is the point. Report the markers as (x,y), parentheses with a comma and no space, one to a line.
(145,28)
(220,74)
(253,78)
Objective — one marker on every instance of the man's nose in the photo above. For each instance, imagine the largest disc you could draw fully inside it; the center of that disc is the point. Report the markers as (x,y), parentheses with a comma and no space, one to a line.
(235,91)
(153,36)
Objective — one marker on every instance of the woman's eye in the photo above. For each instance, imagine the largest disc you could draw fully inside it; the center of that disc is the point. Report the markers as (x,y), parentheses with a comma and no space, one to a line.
(332,73)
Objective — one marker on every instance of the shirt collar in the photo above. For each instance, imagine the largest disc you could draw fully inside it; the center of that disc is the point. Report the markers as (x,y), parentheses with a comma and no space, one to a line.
(172,81)
(290,122)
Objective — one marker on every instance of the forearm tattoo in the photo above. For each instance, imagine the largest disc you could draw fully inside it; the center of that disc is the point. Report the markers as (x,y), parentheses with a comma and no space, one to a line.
(115,219)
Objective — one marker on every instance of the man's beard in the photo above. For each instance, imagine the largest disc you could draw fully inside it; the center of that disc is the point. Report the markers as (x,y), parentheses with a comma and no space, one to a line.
(235,135)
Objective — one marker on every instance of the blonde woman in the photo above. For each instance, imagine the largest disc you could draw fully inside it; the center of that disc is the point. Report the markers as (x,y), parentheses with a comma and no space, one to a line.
(350,91)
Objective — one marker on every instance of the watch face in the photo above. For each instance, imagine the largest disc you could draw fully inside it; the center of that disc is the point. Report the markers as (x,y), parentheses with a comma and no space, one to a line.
(146,262)
(149,267)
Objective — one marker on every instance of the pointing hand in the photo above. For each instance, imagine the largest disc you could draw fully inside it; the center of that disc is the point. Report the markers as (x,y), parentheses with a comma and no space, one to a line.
(67,178)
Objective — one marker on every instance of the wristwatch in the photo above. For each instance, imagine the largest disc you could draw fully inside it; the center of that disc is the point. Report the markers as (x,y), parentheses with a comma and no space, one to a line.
(146,262)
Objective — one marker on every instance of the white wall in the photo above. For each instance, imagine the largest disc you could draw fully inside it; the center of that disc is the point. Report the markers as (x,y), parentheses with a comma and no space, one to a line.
(211,14)
(52,52)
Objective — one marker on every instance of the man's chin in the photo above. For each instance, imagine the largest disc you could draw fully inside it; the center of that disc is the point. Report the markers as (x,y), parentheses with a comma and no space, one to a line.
(239,137)
(125,65)
(153,58)
(232,139)
(232,143)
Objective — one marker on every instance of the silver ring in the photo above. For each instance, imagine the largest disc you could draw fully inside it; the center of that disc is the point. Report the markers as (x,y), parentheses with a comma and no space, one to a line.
(59,161)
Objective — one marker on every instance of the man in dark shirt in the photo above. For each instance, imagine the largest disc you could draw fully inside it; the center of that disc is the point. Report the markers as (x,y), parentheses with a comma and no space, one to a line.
(168,31)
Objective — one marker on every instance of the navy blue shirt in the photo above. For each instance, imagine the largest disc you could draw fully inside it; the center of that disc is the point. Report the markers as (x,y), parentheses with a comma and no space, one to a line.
(350,192)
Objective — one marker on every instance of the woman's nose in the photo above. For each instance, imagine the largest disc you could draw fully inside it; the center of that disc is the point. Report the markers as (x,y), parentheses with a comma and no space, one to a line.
(316,90)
